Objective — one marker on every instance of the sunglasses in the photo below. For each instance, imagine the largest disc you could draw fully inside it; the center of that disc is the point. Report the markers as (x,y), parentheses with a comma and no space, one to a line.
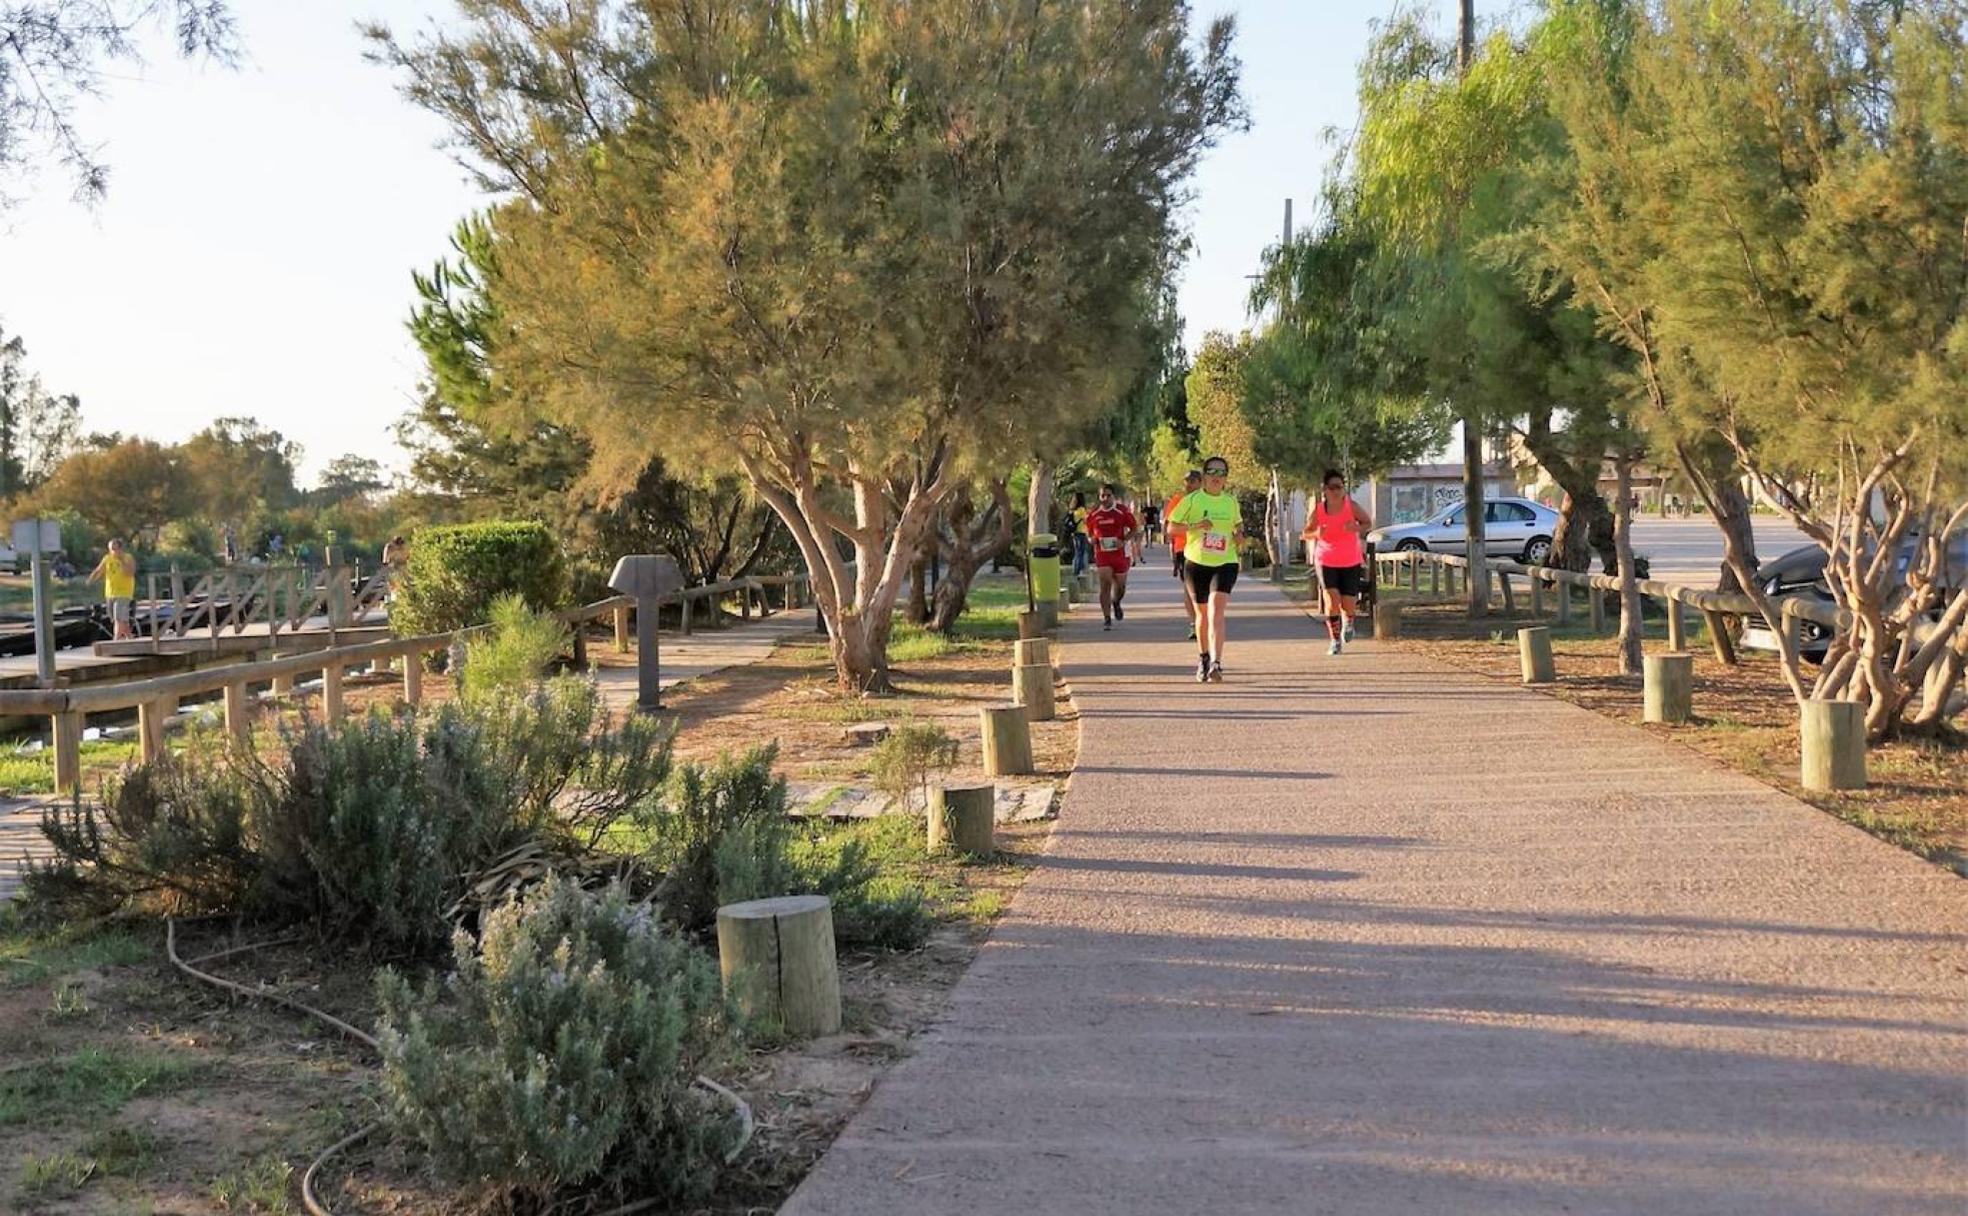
(1217,471)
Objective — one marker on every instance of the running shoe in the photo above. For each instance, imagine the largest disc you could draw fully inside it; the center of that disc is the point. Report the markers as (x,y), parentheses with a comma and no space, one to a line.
(1105,623)
(1120,613)
(1192,633)
(1216,672)
(1335,648)
(1346,629)
(1203,670)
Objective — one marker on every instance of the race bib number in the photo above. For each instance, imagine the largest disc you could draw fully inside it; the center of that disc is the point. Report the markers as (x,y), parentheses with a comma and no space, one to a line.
(1109,543)
(1216,542)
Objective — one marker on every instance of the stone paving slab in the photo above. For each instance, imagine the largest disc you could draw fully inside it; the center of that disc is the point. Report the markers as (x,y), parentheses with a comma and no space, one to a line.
(1374,935)
(1014,801)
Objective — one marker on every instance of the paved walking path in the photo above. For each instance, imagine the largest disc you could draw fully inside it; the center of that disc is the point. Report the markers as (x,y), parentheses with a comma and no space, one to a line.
(1372,935)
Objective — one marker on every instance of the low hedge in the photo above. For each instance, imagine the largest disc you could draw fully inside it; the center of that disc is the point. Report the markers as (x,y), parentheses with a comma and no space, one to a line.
(456,571)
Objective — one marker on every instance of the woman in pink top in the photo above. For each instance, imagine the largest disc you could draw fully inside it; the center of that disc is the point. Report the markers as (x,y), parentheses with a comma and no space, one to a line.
(1337,527)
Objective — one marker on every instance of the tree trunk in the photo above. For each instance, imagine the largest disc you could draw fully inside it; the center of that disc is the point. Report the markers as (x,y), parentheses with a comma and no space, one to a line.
(1477,551)
(1631,659)
(916,608)
(1585,522)
(973,538)
(1038,499)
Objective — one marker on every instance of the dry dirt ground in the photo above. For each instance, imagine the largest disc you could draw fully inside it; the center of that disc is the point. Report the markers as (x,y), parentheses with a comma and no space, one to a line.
(1744,718)
(127,1088)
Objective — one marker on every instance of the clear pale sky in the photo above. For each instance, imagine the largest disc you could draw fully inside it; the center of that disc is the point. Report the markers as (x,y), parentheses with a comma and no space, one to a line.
(253,256)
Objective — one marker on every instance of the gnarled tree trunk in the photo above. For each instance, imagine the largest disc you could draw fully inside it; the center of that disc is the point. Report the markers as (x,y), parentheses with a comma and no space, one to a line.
(970,538)
(1631,618)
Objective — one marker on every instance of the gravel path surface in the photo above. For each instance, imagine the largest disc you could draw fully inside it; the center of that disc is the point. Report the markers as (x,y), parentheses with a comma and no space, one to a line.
(1371,935)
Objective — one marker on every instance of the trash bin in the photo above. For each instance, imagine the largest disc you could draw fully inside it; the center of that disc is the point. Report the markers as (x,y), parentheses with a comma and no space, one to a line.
(1042,554)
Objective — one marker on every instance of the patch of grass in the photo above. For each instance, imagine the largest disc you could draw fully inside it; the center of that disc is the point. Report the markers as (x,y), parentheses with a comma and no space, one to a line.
(69,1001)
(986,906)
(261,1187)
(122,1151)
(55,1175)
(32,771)
(27,957)
(826,801)
(94,1081)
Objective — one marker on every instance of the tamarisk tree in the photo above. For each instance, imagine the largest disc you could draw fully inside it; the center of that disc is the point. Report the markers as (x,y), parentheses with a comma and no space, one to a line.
(862,253)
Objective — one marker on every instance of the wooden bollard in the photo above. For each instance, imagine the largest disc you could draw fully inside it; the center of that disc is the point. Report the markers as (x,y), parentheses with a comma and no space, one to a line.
(1534,655)
(1670,688)
(238,713)
(777,960)
(1563,590)
(1070,593)
(1065,602)
(1537,595)
(68,753)
(1007,740)
(150,729)
(1387,621)
(1027,652)
(964,817)
(332,709)
(1834,744)
(1031,624)
(1596,604)
(413,679)
(1677,627)
(1049,615)
(283,686)
(622,624)
(1031,687)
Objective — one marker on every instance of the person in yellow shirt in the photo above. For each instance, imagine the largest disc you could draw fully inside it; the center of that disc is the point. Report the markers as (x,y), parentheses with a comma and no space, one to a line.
(118,572)
(1213,529)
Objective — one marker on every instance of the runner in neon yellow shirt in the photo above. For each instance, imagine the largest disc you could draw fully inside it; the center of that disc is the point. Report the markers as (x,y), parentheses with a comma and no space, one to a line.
(118,572)
(1214,527)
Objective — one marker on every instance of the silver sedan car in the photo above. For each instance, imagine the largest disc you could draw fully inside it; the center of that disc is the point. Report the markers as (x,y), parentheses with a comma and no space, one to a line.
(1512,527)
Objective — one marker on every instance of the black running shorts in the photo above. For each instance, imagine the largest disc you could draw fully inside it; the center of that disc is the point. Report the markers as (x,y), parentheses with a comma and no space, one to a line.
(1347,580)
(1206,580)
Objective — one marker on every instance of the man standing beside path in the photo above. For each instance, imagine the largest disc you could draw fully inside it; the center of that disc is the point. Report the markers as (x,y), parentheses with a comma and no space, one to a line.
(1214,525)
(1178,539)
(1111,527)
(118,572)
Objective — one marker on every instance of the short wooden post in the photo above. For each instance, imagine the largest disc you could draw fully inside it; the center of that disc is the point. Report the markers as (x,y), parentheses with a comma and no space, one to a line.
(413,679)
(332,710)
(1414,572)
(1029,651)
(1031,687)
(963,817)
(686,601)
(1537,595)
(1509,600)
(1007,740)
(1070,593)
(1065,602)
(1434,578)
(1677,626)
(1049,615)
(238,713)
(1669,696)
(1534,655)
(283,686)
(1720,638)
(68,753)
(1563,590)
(1031,624)
(1834,744)
(777,960)
(1596,605)
(150,729)
(580,645)
(1387,621)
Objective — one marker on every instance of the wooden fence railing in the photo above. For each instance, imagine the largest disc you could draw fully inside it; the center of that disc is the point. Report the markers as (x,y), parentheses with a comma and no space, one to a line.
(156,698)
(1446,569)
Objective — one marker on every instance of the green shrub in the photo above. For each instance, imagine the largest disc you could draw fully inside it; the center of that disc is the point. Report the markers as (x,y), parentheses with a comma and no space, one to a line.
(515,652)
(903,763)
(561,1053)
(456,572)
(705,806)
(371,831)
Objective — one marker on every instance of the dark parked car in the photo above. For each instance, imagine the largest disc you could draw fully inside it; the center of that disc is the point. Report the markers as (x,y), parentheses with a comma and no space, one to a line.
(1801,572)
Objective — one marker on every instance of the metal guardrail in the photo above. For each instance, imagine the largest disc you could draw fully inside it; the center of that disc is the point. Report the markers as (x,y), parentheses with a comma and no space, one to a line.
(154,698)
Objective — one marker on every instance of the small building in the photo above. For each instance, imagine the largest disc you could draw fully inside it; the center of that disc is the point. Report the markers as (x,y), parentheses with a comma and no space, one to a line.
(1410,493)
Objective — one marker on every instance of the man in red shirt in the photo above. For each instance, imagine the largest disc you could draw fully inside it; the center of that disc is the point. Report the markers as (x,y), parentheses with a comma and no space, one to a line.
(1111,527)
